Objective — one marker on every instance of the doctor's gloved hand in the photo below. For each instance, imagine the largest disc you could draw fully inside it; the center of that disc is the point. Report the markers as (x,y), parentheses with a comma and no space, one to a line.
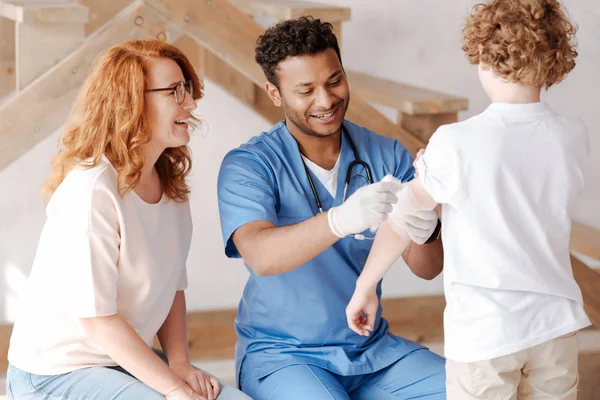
(368,206)
(362,309)
(409,218)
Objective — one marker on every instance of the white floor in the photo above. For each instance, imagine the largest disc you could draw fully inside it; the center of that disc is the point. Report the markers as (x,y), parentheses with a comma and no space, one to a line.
(225,369)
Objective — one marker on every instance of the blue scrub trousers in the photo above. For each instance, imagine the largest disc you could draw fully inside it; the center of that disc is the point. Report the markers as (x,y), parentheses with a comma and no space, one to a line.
(418,375)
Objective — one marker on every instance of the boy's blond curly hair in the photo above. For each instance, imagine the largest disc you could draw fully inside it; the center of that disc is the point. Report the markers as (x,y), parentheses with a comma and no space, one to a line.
(526,41)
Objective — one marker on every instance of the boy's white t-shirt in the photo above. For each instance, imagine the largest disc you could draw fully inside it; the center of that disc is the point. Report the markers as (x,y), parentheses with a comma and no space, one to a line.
(99,254)
(507,180)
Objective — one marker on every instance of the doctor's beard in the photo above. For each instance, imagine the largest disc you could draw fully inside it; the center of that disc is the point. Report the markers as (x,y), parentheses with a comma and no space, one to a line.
(301,120)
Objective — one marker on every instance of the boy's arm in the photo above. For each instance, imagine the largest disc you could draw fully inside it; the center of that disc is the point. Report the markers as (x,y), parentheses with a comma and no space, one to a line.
(424,260)
(389,244)
(420,195)
(387,248)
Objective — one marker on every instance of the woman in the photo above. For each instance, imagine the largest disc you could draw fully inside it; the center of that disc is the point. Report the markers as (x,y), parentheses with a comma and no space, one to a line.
(109,272)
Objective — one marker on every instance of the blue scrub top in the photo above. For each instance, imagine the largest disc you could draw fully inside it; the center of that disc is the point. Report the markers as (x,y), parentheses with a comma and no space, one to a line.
(299,317)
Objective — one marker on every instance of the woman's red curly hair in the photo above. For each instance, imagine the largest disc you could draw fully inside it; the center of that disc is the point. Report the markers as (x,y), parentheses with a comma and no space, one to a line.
(526,41)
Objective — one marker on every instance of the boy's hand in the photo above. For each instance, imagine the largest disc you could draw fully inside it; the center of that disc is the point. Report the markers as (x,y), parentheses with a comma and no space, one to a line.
(364,301)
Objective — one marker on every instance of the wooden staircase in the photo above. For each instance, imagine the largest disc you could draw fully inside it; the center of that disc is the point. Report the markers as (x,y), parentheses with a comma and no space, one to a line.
(48,47)
(218,36)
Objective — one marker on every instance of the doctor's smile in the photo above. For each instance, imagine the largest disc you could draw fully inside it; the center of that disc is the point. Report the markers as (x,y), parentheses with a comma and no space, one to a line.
(330,116)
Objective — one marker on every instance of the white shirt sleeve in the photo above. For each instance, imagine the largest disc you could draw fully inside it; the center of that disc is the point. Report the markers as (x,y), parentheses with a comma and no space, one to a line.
(183,281)
(441,169)
(89,225)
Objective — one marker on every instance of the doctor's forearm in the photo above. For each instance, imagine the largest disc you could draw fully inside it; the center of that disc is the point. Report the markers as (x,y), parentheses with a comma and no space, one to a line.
(425,260)
(271,250)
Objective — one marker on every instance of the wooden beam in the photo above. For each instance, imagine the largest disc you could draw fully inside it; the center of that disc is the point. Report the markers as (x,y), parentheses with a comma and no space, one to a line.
(282,10)
(585,240)
(101,12)
(7,57)
(424,125)
(407,99)
(227,77)
(211,67)
(219,27)
(43,106)
(589,282)
(362,113)
(41,45)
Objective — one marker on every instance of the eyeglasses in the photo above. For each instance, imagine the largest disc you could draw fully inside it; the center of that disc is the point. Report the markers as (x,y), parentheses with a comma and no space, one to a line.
(179,89)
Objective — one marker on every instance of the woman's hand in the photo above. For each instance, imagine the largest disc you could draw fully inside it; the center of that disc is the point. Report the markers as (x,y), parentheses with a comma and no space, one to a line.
(201,383)
(184,392)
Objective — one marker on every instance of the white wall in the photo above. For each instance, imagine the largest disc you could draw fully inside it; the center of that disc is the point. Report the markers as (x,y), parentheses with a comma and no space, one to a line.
(404,40)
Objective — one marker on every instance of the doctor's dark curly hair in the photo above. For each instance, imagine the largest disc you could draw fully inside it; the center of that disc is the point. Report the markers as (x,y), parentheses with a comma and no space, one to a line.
(526,41)
(291,38)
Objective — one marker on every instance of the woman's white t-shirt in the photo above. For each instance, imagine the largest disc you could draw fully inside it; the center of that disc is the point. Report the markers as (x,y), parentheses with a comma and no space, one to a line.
(507,180)
(99,254)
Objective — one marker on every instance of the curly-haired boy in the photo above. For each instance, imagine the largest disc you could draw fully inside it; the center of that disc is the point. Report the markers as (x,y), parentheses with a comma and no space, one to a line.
(507,180)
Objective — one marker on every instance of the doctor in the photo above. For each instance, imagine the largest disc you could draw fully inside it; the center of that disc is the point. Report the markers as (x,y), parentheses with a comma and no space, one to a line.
(296,204)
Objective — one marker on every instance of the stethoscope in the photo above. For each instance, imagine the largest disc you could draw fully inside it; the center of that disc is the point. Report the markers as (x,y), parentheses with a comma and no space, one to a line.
(357,161)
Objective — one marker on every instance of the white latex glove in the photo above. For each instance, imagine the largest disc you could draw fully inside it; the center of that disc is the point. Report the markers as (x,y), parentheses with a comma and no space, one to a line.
(409,218)
(368,206)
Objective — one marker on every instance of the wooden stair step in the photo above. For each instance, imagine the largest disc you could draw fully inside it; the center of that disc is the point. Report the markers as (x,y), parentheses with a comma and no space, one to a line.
(282,10)
(588,280)
(585,240)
